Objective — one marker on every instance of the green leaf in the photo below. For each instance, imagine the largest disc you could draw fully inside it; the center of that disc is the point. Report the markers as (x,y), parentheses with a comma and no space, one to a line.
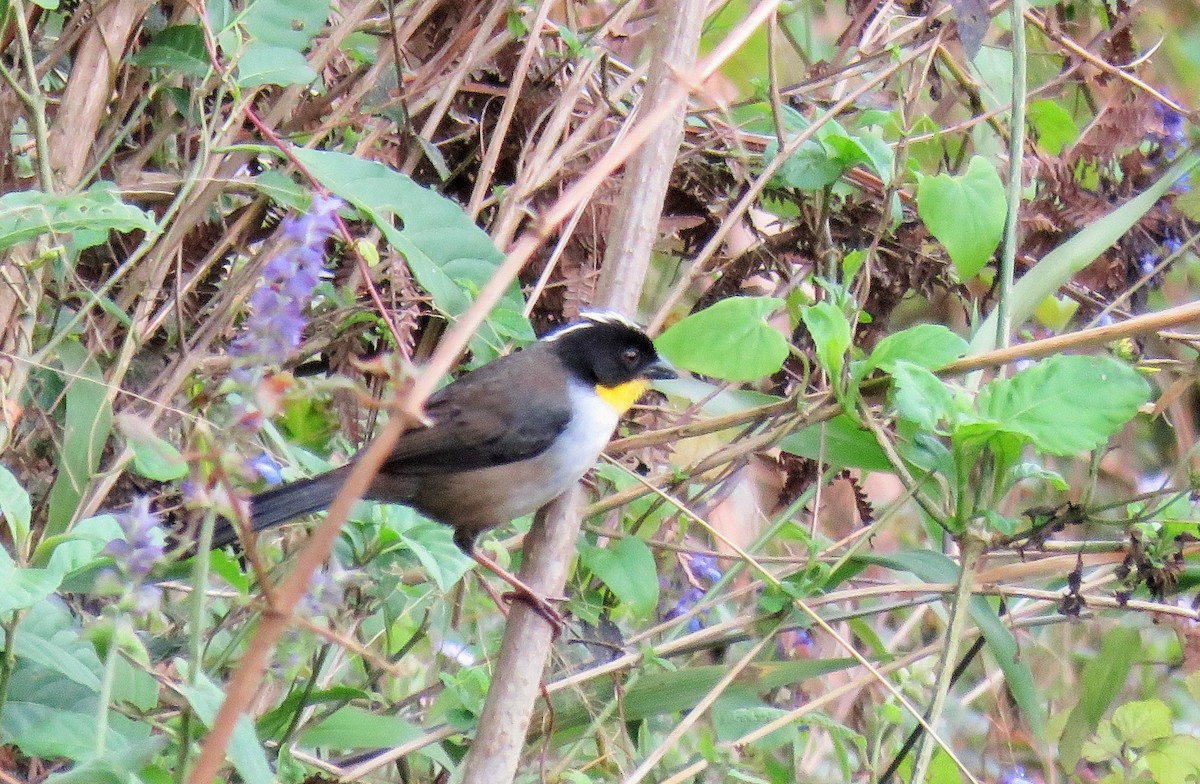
(1066,404)
(810,167)
(965,213)
(28,214)
(1006,526)
(50,637)
(851,263)
(1056,312)
(925,451)
(153,457)
(729,340)
(628,569)
(282,189)
(450,257)
(15,506)
(1053,125)
(1041,473)
(1192,682)
(88,422)
(867,149)
(49,711)
(1141,722)
(119,765)
(1175,761)
(289,24)
(245,752)
(1188,203)
(132,683)
(229,568)
(925,345)
(178,48)
(1103,746)
(943,770)
(20,588)
(832,150)
(263,64)
(930,153)
(846,444)
(1084,247)
(433,545)
(274,723)
(1103,678)
(933,567)
(66,553)
(714,399)
(734,716)
(971,435)
(831,333)
(352,727)
(919,396)
(66,731)
(658,693)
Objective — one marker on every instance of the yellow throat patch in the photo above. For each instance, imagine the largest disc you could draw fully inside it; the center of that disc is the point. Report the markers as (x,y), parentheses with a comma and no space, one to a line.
(622,396)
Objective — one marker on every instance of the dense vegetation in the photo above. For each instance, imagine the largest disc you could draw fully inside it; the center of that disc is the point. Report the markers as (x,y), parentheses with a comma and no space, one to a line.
(931,467)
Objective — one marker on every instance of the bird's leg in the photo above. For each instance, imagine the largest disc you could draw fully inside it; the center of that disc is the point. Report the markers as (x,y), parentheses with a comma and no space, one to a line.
(465,539)
(537,602)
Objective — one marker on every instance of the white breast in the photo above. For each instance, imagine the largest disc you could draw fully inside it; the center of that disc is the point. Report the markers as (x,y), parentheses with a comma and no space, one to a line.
(489,497)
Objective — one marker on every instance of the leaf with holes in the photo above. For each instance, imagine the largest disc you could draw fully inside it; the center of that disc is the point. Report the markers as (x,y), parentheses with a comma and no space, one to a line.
(98,210)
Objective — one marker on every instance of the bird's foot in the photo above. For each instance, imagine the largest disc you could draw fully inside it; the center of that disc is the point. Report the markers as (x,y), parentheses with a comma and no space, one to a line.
(542,605)
(537,602)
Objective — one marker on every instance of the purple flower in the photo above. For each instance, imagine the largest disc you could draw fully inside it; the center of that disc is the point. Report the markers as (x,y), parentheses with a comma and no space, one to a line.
(701,568)
(1172,122)
(1171,243)
(276,323)
(794,642)
(1014,776)
(324,595)
(266,468)
(705,566)
(1170,133)
(1147,261)
(686,602)
(142,547)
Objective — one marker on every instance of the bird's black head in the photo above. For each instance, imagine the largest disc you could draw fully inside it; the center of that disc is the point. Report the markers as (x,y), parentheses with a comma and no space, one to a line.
(609,351)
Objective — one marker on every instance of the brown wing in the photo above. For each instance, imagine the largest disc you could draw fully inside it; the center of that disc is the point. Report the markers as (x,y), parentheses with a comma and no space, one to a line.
(481,420)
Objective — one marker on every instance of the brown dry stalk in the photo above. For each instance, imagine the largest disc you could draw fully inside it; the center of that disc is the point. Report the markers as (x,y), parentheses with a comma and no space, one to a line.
(274,622)
(516,678)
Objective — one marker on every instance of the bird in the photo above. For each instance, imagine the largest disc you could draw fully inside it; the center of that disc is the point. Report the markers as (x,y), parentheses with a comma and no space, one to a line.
(501,441)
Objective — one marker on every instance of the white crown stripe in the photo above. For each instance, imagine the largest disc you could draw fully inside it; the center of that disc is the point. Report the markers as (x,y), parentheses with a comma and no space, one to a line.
(609,317)
(590,318)
(558,333)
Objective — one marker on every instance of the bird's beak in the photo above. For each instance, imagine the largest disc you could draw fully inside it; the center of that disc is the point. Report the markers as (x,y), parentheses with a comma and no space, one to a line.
(660,369)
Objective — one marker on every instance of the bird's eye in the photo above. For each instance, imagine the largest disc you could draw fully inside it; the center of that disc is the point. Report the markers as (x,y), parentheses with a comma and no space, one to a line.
(630,357)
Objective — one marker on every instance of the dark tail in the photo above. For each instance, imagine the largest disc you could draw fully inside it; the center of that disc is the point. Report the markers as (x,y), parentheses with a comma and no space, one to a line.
(280,504)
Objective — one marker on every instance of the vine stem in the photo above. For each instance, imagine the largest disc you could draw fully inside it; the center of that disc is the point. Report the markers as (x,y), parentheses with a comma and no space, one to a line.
(120,625)
(8,659)
(200,571)
(972,554)
(1016,155)
(34,99)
